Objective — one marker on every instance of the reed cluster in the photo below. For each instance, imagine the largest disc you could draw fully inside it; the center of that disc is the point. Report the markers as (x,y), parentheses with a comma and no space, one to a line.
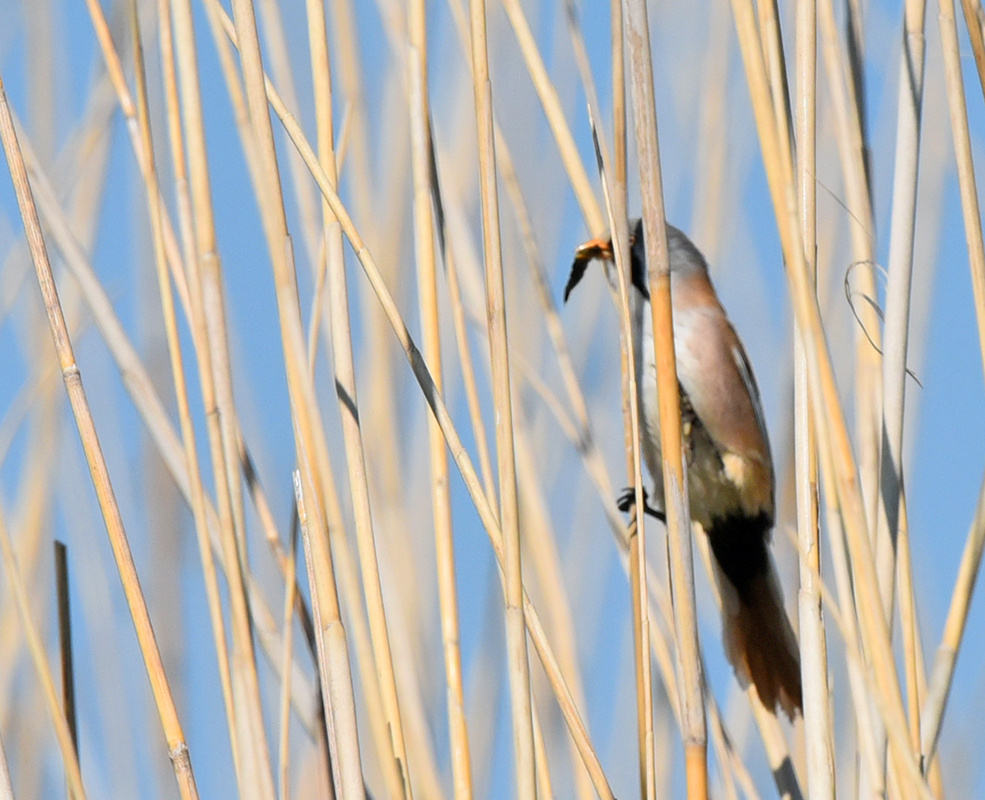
(357,466)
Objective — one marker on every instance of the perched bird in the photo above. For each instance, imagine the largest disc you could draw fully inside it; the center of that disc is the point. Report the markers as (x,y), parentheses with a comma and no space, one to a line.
(730,471)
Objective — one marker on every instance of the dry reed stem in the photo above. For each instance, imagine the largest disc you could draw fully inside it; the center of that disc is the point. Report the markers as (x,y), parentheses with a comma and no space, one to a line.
(546,561)
(346,44)
(309,436)
(851,148)
(849,134)
(128,107)
(63,733)
(323,649)
(180,384)
(396,751)
(208,321)
(913,663)
(516,639)
(619,189)
(177,748)
(636,536)
(378,209)
(343,564)
(848,625)
(693,726)
(277,49)
(776,68)
(819,743)
(235,91)
(837,458)
(891,533)
(172,114)
(504,163)
(421,150)
(468,370)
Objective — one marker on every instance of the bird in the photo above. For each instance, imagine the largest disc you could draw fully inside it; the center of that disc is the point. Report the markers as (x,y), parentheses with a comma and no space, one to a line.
(731,482)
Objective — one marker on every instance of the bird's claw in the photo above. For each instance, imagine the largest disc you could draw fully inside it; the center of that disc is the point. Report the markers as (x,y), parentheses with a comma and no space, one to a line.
(628,499)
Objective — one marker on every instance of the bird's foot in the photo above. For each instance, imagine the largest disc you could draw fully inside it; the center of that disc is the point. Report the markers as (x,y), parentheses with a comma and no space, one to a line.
(628,499)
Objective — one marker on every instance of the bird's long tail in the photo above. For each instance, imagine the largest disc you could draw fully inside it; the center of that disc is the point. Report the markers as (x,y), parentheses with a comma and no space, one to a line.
(759,642)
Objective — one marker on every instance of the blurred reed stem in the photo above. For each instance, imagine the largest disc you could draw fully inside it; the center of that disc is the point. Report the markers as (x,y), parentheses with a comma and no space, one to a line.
(177,748)
(892,545)
(197,497)
(427,291)
(819,742)
(516,640)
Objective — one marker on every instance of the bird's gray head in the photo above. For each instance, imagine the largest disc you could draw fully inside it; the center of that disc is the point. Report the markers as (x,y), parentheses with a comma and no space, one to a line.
(685,259)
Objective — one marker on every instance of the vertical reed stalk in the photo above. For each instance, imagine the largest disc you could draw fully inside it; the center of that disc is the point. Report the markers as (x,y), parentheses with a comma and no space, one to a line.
(197,491)
(427,289)
(636,536)
(849,132)
(891,552)
(813,647)
(516,639)
(209,324)
(674,477)
(346,387)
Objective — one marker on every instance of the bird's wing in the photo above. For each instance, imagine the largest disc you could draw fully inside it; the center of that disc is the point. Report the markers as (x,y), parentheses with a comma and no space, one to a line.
(715,372)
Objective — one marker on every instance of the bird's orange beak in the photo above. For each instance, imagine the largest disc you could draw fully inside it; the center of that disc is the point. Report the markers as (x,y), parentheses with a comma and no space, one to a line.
(596,248)
(584,255)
